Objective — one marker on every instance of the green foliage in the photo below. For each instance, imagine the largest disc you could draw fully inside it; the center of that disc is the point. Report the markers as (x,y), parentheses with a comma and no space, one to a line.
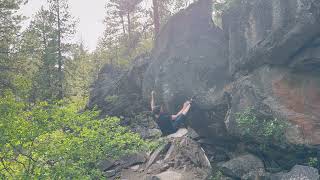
(216,176)
(10,25)
(313,162)
(265,129)
(54,141)
(112,99)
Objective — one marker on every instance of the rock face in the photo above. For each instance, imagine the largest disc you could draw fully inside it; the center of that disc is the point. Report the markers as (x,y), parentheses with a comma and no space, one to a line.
(286,94)
(190,58)
(117,92)
(269,32)
(264,57)
(273,44)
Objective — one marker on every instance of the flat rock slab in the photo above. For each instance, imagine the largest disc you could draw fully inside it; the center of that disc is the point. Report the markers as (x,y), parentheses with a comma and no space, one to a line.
(133,159)
(169,175)
(105,165)
(180,133)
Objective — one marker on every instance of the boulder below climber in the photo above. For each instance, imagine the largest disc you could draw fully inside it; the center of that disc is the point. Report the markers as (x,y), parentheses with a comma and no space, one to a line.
(179,157)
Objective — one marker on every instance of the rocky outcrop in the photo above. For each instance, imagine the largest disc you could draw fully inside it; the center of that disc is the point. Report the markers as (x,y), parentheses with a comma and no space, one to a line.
(265,57)
(190,58)
(180,158)
(273,45)
(261,58)
(117,91)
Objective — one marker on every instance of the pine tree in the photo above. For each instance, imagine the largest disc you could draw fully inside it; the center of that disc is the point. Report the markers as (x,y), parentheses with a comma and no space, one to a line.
(80,72)
(9,35)
(40,44)
(64,25)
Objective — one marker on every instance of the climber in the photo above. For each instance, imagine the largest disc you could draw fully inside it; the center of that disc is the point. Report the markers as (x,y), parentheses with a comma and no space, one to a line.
(167,123)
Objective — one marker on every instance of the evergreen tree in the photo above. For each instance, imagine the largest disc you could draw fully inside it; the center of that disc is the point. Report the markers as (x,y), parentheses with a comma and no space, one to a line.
(80,72)
(64,25)
(9,35)
(40,43)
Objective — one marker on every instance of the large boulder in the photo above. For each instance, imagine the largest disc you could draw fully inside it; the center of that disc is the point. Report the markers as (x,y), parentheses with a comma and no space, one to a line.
(190,59)
(117,91)
(273,55)
(287,95)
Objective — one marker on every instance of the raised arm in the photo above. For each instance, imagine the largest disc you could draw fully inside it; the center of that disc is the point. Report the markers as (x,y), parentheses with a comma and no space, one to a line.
(152,100)
(184,110)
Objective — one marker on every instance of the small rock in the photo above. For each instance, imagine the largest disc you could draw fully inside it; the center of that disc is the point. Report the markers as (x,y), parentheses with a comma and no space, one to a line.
(152,178)
(277,176)
(299,172)
(158,168)
(135,168)
(105,164)
(110,173)
(169,175)
(253,175)
(133,159)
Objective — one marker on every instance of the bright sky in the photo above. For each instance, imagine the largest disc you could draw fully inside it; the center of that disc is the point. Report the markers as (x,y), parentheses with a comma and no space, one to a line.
(90,14)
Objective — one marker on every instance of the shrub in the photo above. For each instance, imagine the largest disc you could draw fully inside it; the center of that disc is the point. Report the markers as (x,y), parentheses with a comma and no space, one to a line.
(265,129)
(216,176)
(313,162)
(54,141)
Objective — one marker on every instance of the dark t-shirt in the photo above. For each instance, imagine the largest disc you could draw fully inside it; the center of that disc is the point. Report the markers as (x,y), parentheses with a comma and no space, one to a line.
(165,124)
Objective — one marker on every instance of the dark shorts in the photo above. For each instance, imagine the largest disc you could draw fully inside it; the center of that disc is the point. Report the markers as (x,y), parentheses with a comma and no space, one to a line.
(179,120)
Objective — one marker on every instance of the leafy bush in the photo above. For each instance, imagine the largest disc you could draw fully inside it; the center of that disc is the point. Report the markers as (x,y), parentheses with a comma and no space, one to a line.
(266,129)
(54,141)
(216,176)
(313,162)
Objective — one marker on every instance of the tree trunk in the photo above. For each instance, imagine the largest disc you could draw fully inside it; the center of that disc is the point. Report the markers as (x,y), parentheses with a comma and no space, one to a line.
(156,18)
(123,26)
(129,27)
(60,63)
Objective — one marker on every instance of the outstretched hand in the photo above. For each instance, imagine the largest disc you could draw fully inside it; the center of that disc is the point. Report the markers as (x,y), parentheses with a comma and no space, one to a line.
(187,103)
(153,93)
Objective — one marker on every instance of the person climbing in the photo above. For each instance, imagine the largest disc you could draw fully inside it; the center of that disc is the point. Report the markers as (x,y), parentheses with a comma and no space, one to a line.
(167,123)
